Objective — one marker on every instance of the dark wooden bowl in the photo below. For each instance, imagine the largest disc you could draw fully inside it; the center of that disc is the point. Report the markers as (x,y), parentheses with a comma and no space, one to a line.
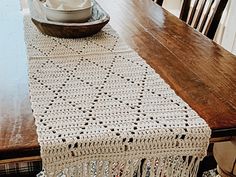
(68,30)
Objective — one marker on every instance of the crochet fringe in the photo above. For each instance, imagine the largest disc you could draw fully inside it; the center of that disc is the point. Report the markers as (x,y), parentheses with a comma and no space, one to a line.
(177,166)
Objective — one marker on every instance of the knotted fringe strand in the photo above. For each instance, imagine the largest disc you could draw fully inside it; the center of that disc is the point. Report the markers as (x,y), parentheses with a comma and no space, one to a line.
(144,168)
(152,171)
(177,166)
(100,170)
(139,169)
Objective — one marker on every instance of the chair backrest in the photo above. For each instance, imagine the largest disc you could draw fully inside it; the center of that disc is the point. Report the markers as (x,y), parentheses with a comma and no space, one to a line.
(204,15)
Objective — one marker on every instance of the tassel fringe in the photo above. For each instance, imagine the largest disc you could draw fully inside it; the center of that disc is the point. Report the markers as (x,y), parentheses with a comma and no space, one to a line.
(179,166)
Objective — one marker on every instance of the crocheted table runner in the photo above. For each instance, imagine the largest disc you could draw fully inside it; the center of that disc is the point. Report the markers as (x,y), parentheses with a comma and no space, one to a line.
(101,110)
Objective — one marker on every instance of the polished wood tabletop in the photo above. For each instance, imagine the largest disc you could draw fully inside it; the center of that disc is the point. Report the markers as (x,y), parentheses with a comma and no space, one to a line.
(17,130)
(200,71)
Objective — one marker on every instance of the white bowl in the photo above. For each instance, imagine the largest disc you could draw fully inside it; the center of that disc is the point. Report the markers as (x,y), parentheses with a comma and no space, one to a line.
(75,15)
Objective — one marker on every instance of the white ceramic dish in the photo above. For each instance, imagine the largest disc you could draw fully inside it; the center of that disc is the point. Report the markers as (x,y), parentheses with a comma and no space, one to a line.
(70,16)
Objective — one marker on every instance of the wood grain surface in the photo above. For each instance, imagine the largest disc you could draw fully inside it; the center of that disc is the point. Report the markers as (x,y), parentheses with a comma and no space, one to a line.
(17,130)
(199,70)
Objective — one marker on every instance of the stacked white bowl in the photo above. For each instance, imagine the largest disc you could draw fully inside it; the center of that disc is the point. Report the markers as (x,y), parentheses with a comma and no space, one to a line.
(68,10)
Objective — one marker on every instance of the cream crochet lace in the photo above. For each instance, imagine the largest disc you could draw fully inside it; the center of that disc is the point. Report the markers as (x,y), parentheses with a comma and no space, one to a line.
(101,110)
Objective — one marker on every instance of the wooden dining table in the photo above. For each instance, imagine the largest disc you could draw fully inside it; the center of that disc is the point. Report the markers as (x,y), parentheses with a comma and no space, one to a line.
(200,71)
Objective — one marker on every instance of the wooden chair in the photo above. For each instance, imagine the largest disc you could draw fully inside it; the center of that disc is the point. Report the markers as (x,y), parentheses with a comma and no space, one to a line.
(204,16)
(225,155)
